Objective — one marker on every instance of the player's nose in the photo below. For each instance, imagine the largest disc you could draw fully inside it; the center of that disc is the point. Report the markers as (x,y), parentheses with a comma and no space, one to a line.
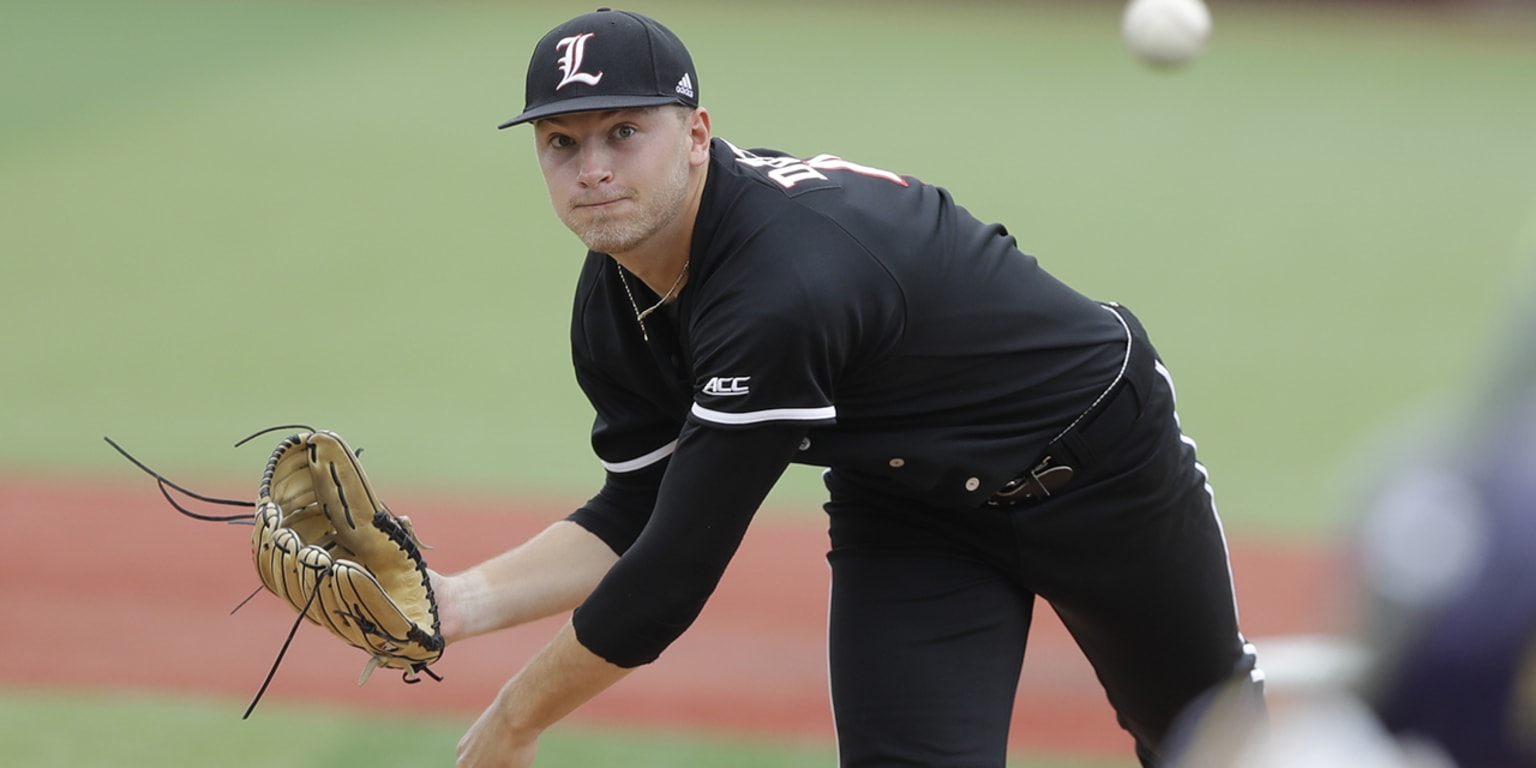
(594,168)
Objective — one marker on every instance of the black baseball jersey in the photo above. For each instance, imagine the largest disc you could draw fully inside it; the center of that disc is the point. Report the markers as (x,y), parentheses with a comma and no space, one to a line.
(835,315)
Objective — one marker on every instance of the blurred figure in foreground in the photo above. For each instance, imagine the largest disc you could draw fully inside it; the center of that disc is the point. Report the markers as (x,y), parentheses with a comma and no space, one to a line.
(1443,571)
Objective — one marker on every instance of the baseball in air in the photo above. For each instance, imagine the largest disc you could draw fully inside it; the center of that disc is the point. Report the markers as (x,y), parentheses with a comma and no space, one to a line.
(1166,34)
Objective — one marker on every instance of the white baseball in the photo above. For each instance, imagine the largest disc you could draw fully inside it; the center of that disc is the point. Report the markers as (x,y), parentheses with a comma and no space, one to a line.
(1166,33)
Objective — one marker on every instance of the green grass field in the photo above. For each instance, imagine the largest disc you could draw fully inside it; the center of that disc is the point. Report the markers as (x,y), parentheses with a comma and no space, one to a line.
(55,731)
(215,217)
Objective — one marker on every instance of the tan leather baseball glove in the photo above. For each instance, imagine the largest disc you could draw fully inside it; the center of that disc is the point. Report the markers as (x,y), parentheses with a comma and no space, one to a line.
(326,544)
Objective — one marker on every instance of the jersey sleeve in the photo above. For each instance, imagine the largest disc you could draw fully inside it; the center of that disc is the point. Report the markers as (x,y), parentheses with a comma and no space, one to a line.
(772,339)
(629,432)
(620,510)
(715,482)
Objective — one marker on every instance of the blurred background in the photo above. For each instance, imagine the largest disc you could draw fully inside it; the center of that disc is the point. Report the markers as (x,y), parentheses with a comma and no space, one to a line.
(220,216)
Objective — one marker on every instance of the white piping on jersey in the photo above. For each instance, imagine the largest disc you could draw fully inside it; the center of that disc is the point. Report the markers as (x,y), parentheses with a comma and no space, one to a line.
(1120,374)
(771,414)
(1210,492)
(642,462)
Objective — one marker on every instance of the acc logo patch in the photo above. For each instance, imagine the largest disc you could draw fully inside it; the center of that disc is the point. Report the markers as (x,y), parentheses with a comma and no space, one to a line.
(727,386)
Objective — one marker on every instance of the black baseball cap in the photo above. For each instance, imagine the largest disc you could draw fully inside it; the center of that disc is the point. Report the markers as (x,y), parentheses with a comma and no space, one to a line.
(607,60)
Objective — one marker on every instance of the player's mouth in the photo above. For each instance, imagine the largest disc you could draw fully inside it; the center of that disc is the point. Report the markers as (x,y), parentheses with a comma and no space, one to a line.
(598,205)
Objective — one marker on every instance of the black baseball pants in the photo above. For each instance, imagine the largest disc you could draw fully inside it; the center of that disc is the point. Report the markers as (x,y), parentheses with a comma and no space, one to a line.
(931,608)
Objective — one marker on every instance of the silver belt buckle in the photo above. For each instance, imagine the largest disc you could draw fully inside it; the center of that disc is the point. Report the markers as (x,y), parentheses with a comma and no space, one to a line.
(1038,482)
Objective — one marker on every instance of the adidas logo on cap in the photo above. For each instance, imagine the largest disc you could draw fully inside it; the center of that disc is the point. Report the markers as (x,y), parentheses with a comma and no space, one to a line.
(685,86)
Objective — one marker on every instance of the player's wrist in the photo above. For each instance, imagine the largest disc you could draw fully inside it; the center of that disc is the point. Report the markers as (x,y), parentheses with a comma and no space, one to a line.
(447,591)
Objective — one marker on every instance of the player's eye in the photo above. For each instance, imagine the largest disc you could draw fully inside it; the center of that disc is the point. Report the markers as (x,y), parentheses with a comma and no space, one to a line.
(625,131)
(559,141)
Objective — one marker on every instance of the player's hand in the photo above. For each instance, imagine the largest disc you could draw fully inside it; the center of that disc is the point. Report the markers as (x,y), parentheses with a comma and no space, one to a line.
(492,743)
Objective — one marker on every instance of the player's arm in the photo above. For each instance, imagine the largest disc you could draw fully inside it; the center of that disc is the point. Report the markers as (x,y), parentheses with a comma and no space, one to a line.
(653,592)
(550,573)
(554,571)
(560,678)
(713,487)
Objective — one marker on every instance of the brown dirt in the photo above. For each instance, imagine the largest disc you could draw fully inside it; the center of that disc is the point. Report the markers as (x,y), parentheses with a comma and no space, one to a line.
(123,593)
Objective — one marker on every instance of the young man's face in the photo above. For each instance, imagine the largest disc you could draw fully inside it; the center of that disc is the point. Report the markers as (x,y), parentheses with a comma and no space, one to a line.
(616,178)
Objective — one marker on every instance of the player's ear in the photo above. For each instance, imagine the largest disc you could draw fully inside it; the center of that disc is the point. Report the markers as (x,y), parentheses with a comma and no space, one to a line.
(697,124)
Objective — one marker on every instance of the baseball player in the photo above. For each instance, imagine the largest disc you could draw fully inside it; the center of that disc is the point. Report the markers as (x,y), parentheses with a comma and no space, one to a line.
(990,435)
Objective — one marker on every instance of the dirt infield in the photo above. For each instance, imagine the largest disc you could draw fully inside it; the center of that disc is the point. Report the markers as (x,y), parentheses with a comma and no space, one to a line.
(112,574)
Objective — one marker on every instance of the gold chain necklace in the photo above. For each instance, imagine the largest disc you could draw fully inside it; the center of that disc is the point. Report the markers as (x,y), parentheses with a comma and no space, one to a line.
(641,315)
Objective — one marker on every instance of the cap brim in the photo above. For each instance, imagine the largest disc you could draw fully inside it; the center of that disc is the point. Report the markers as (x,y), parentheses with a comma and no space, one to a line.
(590,104)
